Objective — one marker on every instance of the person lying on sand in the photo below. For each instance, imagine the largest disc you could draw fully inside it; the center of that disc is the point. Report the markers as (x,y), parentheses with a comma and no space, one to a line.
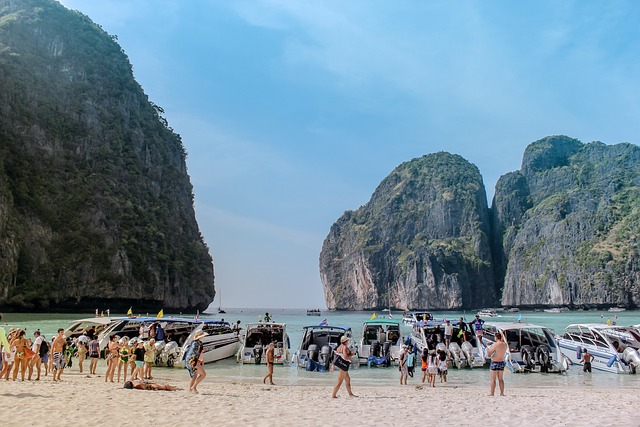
(146,385)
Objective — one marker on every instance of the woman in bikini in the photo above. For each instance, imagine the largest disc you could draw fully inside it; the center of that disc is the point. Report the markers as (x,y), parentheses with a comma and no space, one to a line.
(112,358)
(124,357)
(20,344)
(343,374)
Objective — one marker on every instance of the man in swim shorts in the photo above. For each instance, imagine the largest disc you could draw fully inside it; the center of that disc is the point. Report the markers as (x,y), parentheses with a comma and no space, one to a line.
(586,359)
(57,350)
(497,351)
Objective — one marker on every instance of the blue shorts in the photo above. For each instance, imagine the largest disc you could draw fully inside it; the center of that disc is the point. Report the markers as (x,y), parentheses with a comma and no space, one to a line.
(497,366)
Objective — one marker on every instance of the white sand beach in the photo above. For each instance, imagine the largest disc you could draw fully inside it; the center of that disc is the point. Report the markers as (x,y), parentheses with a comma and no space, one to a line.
(82,400)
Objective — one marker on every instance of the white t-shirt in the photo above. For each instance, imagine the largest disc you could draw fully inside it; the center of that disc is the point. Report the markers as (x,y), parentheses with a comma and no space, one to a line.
(36,343)
(448,329)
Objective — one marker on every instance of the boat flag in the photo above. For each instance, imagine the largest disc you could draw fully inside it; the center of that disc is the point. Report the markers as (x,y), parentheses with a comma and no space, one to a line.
(424,316)
(373,316)
(130,312)
(160,313)
(390,315)
(323,323)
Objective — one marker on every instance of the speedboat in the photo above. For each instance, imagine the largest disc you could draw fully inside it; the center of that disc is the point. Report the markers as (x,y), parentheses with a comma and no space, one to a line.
(617,309)
(221,343)
(411,317)
(317,346)
(486,312)
(381,342)
(168,351)
(90,326)
(556,310)
(611,346)
(313,312)
(532,348)
(257,338)
(465,350)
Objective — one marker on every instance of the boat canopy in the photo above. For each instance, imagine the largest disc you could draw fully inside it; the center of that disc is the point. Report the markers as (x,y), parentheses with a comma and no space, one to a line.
(379,321)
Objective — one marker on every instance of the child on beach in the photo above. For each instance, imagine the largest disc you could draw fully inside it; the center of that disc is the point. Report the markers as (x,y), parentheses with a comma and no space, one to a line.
(82,354)
(425,362)
(443,360)
(432,368)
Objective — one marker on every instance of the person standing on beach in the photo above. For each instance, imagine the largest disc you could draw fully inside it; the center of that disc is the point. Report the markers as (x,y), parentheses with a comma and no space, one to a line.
(194,361)
(345,353)
(497,351)
(270,361)
(36,360)
(149,358)
(94,354)
(57,353)
(404,372)
(21,360)
(586,359)
(425,362)
(113,352)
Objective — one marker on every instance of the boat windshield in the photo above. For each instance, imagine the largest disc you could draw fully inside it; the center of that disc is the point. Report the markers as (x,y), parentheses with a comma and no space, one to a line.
(264,334)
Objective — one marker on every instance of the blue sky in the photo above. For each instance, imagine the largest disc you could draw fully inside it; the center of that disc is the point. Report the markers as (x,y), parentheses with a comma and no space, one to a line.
(292,112)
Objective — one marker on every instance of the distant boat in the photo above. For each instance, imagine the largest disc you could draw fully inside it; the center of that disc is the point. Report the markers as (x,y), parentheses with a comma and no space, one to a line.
(487,312)
(556,310)
(617,309)
(313,312)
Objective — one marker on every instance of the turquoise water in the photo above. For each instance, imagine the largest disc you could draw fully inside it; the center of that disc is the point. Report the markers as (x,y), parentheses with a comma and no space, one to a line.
(229,370)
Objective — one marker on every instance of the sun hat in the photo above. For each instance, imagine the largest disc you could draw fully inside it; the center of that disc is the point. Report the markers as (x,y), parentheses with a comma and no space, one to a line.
(200,334)
(344,339)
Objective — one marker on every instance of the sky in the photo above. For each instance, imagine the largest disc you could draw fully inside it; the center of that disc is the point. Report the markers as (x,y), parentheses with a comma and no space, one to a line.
(292,112)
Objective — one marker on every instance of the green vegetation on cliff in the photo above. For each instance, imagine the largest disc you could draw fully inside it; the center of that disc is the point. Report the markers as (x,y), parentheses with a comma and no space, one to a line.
(96,204)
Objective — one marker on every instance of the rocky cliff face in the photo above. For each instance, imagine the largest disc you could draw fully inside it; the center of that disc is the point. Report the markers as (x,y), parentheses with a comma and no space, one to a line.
(96,207)
(566,225)
(563,230)
(422,241)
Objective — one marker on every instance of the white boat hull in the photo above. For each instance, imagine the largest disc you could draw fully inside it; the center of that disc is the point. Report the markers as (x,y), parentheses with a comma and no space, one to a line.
(602,360)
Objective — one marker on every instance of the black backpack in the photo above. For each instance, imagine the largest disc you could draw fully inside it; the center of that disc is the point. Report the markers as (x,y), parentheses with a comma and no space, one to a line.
(44,348)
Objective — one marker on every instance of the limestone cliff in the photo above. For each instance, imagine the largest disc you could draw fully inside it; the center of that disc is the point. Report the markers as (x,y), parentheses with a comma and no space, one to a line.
(422,241)
(566,225)
(96,207)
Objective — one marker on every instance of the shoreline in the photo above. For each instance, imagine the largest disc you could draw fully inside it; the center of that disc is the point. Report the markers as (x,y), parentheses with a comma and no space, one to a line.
(225,401)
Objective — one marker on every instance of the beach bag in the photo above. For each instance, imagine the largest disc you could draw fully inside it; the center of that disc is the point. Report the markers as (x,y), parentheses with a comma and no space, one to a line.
(340,362)
(29,353)
(44,348)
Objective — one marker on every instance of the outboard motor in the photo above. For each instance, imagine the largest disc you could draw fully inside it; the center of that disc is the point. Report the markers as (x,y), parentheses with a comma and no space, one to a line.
(325,356)
(257,353)
(467,351)
(455,351)
(171,353)
(159,348)
(631,357)
(543,357)
(312,352)
(528,357)
(375,349)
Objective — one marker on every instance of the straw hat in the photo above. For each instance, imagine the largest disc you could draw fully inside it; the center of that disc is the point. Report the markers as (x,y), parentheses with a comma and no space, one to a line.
(200,334)
(344,339)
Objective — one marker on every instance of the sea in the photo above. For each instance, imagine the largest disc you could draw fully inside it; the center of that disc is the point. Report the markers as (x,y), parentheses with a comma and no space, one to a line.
(296,319)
